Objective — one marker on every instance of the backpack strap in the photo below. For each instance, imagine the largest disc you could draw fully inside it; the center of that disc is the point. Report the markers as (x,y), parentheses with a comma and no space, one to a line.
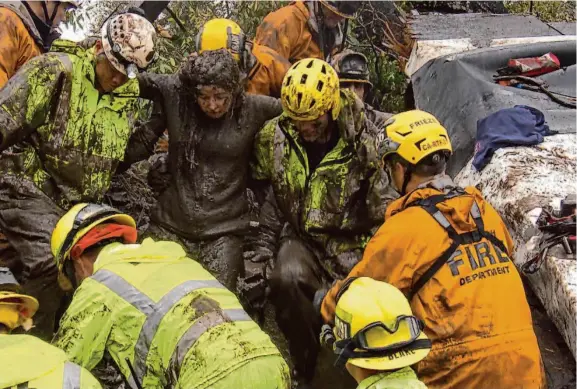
(430,205)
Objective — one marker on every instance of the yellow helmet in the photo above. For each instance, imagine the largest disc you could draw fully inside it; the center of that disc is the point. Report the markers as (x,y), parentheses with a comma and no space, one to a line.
(15,309)
(310,89)
(375,327)
(77,222)
(413,135)
(219,34)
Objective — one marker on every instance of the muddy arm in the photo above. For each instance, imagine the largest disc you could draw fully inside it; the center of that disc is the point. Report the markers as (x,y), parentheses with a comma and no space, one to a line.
(28,100)
(142,141)
(269,229)
(153,86)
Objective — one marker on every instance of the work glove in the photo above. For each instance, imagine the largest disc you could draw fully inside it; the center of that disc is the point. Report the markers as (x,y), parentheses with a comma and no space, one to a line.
(159,175)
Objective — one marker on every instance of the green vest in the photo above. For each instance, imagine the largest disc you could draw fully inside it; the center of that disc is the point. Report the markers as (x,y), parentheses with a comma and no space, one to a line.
(404,378)
(26,361)
(163,312)
(79,135)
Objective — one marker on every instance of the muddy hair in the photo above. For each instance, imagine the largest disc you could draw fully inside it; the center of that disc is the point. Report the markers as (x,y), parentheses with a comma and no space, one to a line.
(216,67)
(429,166)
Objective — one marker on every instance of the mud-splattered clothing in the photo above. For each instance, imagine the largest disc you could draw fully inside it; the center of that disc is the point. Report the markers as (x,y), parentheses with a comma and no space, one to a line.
(170,318)
(337,206)
(474,307)
(68,138)
(19,39)
(28,362)
(61,142)
(404,378)
(267,73)
(378,118)
(293,32)
(326,214)
(206,197)
(221,256)
(208,160)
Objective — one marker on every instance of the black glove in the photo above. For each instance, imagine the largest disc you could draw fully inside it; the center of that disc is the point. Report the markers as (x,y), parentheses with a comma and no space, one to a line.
(318,299)
(159,175)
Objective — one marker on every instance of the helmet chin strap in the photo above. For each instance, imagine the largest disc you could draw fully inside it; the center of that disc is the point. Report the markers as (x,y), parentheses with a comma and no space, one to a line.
(50,19)
(406,179)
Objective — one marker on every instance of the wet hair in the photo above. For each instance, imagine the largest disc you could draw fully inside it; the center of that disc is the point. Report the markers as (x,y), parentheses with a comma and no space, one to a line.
(429,166)
(216,67)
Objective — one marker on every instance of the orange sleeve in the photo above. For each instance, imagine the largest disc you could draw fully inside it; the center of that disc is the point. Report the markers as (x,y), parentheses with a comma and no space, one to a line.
(390,256)
(280,30)
(267,75)
(16,45)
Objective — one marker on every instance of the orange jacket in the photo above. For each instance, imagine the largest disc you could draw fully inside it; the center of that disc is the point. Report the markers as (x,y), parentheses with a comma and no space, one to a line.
(17,44)
(287,31)
(474,307)
(265,78)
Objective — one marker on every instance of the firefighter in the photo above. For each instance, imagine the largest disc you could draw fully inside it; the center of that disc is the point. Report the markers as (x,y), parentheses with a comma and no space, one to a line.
(63,131)
(327,198)
(353,70)
(264,67)
(376,336)
(27,29)
(307,29)
(165,320)
(26,361)
(449,252)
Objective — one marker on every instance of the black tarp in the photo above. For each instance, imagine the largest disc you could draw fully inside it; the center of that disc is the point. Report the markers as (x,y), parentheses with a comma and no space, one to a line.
(459,90)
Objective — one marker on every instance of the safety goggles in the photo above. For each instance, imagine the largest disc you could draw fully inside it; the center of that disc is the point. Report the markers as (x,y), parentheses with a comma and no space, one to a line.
(360,340)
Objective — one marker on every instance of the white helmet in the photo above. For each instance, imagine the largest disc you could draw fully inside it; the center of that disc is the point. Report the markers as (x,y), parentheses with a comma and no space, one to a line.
(128,41)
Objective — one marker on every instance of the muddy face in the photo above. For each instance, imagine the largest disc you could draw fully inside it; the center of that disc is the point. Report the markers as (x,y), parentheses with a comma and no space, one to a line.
(214,101)
(107,77)
(314,130)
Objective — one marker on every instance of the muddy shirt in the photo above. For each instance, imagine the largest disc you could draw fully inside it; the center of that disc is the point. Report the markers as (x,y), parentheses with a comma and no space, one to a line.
(58,131)
(208,160)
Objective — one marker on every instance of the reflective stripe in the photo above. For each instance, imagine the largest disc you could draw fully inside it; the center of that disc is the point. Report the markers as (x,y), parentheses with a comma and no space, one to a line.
(199,327)
(475,211)
(441,219)
(125,290)
(71,378)
(154,312)
(161,308)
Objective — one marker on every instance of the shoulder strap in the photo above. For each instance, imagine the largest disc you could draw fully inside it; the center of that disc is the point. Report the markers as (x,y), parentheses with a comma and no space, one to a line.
(430,205)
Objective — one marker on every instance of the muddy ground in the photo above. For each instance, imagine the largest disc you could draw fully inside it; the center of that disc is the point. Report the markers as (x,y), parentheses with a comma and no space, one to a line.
(131,194)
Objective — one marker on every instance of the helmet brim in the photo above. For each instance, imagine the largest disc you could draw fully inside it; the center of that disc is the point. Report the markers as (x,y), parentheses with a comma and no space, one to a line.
(395,361)
(28,302)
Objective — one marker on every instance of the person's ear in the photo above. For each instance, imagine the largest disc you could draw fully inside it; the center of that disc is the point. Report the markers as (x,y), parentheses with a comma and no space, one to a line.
(98,49)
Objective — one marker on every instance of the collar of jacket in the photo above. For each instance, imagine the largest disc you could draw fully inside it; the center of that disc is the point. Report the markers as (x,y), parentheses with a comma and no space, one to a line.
(24,15)
(146,252)
(438,184)
(372,382)
(85,52)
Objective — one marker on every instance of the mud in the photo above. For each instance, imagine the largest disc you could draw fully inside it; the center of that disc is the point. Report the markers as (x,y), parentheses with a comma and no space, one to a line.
(212,68)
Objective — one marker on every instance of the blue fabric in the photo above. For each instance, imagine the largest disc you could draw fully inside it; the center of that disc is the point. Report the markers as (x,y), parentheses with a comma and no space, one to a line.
(518,126)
